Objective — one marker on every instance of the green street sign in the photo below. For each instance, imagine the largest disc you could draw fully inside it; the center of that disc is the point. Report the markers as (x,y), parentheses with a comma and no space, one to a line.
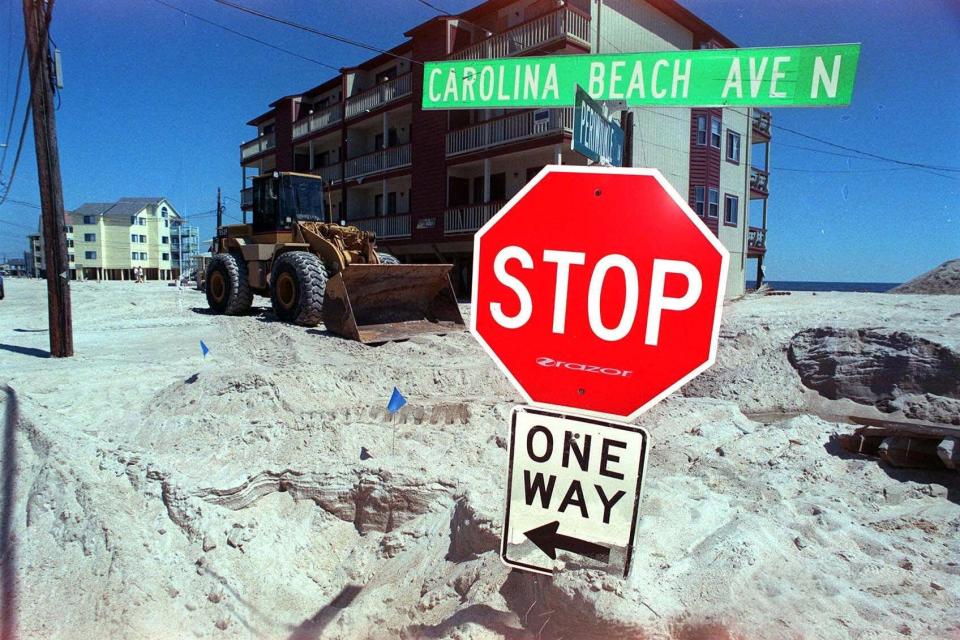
(594,136)
(818,76)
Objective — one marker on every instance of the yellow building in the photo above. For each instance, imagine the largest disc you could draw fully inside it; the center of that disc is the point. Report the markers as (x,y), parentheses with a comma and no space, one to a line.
(109,240)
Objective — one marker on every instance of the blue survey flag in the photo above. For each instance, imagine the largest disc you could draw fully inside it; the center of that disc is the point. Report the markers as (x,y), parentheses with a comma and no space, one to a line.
(204,348)
(396,401)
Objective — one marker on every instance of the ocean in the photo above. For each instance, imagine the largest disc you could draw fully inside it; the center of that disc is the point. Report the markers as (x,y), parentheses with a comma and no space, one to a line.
(801,285)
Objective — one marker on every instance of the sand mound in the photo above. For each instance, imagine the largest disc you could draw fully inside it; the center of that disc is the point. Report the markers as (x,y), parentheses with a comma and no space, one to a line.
(264,491)
(944,279)
(886,370)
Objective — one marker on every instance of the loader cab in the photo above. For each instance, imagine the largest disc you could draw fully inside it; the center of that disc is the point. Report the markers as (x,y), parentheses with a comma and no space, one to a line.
(280,199)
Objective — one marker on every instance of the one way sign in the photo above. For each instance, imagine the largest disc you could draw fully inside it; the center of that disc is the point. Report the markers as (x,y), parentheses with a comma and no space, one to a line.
(573,491)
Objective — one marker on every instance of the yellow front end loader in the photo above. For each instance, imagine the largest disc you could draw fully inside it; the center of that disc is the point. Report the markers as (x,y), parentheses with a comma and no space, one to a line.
(316,271)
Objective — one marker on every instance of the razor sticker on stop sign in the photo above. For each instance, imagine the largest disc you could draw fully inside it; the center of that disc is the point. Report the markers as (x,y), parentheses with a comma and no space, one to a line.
(573,491)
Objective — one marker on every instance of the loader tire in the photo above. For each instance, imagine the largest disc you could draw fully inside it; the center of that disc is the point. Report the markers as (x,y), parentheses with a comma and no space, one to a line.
(227,287)
(297,287)
(387,258)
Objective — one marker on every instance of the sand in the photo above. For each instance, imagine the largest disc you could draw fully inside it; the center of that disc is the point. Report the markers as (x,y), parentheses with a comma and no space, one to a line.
(943,279)
(154,493)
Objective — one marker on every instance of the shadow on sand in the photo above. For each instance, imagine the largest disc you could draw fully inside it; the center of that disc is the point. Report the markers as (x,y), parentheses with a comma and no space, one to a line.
(946,478)
(312,628)
(8,555)
(25,351)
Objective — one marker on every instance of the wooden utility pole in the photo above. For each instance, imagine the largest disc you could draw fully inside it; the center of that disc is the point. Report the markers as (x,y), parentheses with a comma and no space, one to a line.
(36,19)
(219,213)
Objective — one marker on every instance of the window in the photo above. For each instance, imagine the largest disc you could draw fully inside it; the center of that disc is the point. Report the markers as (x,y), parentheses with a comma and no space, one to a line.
(713,208)
(70,257)
(163,212)
(165,240)
(70,244)
(731,206)
(142,222)
(143,238)
(133,255)
(701,130)
(137,220)
(89,219)
(166,223)
(69,228)
(143,256)
(133,237)
(89,237)
(733,147)
(715,128)
(698,200)
(90,255)
(133,220)
(166,256)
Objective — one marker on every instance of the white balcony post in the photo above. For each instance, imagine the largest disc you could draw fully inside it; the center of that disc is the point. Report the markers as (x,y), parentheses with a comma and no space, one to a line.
(557,154)
(486,179)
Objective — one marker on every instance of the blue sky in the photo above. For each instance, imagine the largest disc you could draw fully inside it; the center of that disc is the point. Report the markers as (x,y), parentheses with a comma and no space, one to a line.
(155,104)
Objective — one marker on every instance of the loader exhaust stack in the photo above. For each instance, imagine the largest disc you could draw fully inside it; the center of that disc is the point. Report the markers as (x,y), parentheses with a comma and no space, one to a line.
(376,303)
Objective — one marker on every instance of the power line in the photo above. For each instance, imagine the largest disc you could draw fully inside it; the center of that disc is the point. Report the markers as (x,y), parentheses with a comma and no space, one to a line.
(16,158)
(434,7)
(919,165)
(878,170)
(13,109)
(248,37)
(928,168)
(309,29)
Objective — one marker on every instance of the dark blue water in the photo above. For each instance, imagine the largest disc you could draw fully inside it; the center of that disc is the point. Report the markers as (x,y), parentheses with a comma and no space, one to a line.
(800,285)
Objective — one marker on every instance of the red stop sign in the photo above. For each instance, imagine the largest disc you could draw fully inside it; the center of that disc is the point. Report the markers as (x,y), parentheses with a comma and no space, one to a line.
(598,289)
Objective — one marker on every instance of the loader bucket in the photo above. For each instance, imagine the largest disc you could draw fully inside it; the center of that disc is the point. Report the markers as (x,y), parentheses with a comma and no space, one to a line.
(376,303)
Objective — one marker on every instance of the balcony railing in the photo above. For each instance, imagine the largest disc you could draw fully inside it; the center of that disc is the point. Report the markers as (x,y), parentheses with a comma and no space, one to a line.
(318,121)
(330,173)
(565,22)
(512,128)
(379,95)
(761,121)
(469,217)
(757,239)
(392,158)
(390,226)
(258,145)
(759,179)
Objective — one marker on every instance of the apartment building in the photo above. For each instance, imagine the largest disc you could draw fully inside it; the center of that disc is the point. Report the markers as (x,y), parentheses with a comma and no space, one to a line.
(424,181)
(106,241)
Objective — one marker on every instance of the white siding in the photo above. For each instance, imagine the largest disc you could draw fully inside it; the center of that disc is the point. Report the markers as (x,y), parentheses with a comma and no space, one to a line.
(733,181)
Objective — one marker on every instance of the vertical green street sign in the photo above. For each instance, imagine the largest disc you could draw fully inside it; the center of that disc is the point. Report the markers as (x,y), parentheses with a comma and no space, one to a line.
(594,136)
(814,76)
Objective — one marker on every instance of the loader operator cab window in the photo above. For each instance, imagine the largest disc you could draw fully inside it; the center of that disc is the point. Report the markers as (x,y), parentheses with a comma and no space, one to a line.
(278,202)
(303,200)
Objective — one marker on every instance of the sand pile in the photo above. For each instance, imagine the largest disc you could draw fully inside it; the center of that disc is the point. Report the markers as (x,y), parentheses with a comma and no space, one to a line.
(944,279)
(265,492)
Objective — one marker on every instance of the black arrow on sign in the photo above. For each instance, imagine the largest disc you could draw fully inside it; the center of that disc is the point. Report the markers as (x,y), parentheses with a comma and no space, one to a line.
(548,541)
